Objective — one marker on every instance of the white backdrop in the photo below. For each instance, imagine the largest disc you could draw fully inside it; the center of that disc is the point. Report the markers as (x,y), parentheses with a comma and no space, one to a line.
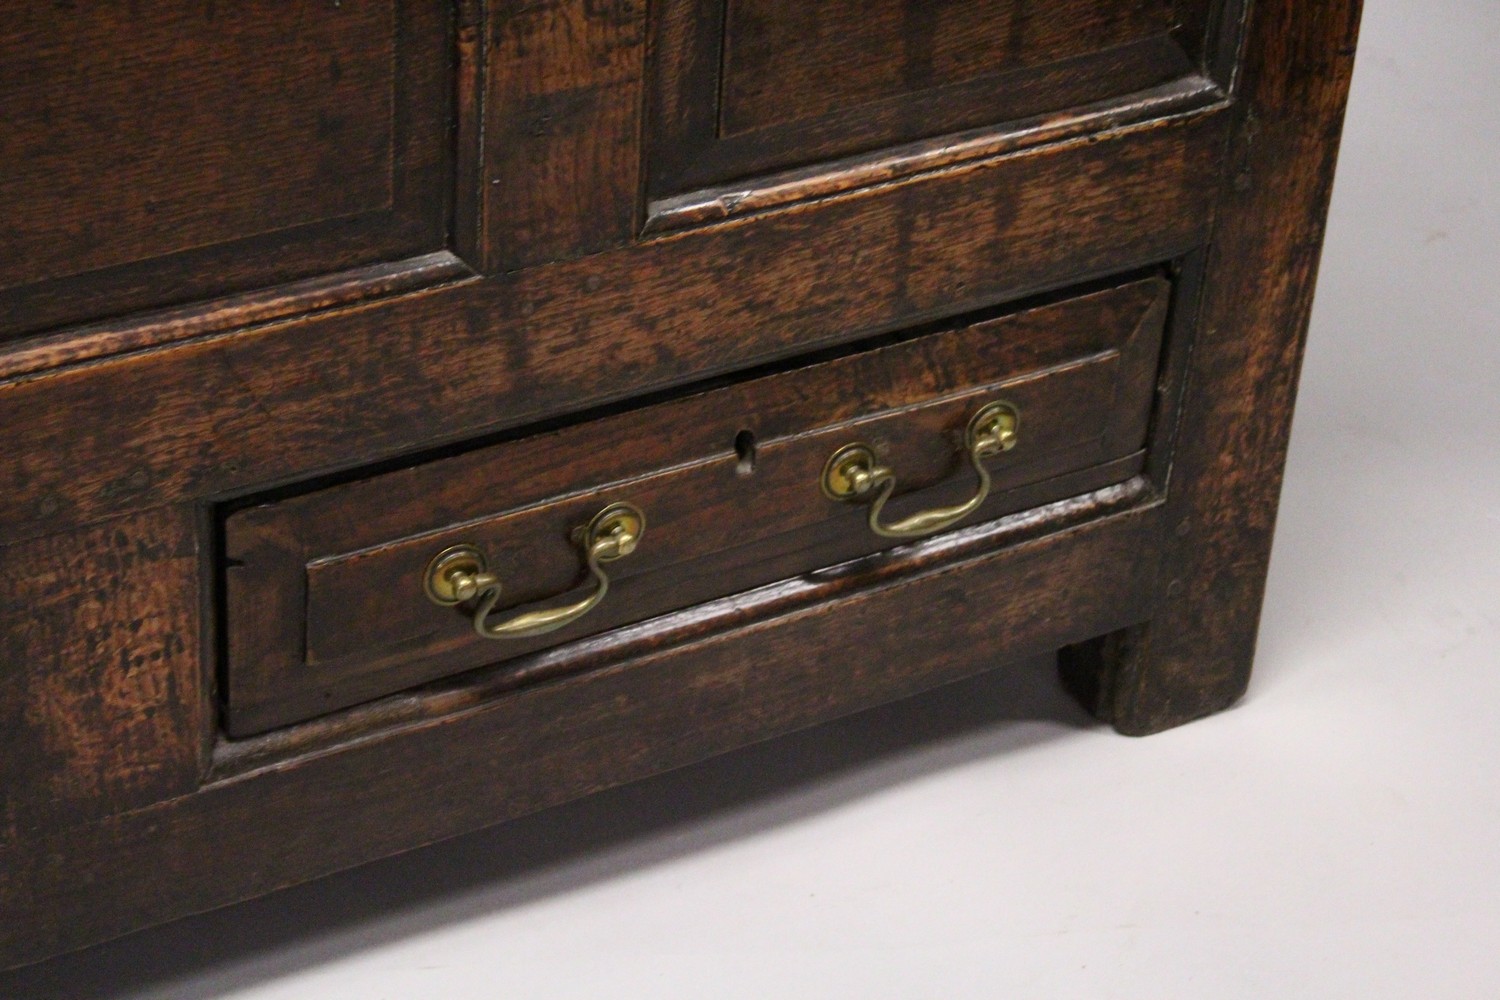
(1334,836)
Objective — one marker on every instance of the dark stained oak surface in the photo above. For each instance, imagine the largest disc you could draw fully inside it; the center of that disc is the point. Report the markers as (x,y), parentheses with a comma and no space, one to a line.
(291,296)
(782,62)
(296,399)
(747,87)
(324,599)
(477,764)
(1194,657)
(564,123)
(170,170)
(153,154)
(102,695)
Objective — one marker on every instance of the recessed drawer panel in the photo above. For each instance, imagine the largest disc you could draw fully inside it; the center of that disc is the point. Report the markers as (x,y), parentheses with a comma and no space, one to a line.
(332,598)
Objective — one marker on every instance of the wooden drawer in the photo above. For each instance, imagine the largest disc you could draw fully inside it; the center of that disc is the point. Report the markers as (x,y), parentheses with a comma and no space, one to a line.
(325,591)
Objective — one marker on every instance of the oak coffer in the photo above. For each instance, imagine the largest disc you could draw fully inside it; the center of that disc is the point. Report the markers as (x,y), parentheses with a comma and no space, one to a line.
(417,413)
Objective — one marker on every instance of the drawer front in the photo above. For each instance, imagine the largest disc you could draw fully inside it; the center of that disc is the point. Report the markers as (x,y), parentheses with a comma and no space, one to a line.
(325,592)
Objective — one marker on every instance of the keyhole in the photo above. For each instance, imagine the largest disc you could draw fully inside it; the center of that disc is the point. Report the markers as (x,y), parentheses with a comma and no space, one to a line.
(744,447)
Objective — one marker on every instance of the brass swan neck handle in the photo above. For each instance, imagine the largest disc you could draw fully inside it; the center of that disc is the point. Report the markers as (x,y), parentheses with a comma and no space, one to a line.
(853,474)
(461,574)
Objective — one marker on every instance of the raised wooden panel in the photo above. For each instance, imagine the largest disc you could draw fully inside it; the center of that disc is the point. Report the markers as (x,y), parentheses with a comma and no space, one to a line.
(288,401)
(196,133)
(154,154)
(783,62)
(744,88)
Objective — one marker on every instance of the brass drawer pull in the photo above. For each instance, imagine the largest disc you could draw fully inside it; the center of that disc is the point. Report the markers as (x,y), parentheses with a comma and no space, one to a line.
(460,574)
(852,473)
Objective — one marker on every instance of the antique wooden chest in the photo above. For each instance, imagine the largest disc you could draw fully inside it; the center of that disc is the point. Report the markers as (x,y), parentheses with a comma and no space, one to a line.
(417,413)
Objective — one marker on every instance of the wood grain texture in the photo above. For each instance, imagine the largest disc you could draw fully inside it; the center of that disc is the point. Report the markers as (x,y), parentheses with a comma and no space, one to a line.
(324,603)
(1194,656)
(751,195)
(564,128)
(217,152)
(102,705)
(118,470)
(757,86)
(163,327)
(157,155)
(542,746)
(296,399)
(784,61)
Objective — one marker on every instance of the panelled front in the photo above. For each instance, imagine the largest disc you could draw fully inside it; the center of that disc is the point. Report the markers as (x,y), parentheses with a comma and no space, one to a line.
(782,64)
(749,87)
(295,302)
(343,142)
